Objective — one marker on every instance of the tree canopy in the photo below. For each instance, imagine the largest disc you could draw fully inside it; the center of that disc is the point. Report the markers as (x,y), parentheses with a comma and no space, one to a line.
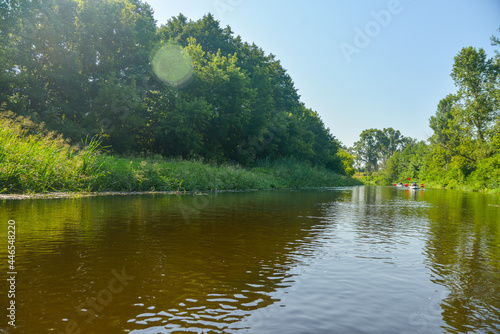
(93,67)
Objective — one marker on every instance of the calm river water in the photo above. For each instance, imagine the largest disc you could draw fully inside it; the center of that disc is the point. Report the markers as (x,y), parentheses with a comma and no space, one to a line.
(346,260)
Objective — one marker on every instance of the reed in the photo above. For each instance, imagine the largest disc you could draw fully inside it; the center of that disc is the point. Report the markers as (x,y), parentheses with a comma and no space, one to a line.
(36,163)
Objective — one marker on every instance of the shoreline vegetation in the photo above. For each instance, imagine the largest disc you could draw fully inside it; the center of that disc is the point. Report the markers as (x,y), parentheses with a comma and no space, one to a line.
(379,179)
(134,107)
(463,151)
(117,103)
(44,165)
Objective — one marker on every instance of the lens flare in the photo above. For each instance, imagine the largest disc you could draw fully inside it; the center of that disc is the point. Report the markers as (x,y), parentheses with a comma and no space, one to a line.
(172,64)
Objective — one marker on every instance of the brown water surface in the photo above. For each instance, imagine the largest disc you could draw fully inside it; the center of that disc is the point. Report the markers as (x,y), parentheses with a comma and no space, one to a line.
(348,260)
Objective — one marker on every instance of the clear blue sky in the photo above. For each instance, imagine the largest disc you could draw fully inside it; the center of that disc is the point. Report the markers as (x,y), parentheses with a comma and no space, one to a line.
(391,74)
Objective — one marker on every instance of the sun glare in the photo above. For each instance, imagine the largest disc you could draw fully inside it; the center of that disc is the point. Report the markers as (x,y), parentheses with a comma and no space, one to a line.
(172,64)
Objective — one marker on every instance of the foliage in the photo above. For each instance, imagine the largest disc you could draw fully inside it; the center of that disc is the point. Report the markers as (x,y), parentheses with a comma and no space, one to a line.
(347,161)
(45,162)
(464,149)
(375,146)
(293,173)
(86,68)
(42,162)
(487,174)
(476,76)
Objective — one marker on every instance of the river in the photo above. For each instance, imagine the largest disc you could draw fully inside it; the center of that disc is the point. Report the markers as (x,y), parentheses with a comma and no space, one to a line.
(340,260)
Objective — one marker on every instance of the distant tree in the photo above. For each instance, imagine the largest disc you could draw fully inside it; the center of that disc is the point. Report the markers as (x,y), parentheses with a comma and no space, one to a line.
(367,150)
(376,146)
(390,141)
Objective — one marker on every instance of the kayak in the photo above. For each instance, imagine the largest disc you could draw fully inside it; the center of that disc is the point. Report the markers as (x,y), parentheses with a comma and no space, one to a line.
(409,186)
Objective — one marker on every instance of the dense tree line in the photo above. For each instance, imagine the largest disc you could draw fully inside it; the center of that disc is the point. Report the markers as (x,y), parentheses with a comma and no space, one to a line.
(464,149)
(84,68)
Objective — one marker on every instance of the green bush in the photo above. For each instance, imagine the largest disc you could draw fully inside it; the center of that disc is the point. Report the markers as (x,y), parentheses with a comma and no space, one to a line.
(487,174)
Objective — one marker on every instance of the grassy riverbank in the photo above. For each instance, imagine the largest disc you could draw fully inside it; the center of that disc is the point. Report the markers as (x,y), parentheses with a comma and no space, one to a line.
(40,163)
(478,182)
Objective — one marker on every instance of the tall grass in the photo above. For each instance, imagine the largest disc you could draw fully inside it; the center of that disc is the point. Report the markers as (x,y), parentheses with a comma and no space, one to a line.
(36,162)
(45,162)
(298,174)
(157,174)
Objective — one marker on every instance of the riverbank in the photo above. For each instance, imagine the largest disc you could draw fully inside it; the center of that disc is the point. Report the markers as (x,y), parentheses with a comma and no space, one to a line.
(109,175)
(43,164)
(155,174)
(468,185)
(53,195)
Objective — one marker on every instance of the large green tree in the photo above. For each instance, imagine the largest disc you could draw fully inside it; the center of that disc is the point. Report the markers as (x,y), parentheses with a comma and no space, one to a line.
(78,65)
(476,78)
(449,137)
